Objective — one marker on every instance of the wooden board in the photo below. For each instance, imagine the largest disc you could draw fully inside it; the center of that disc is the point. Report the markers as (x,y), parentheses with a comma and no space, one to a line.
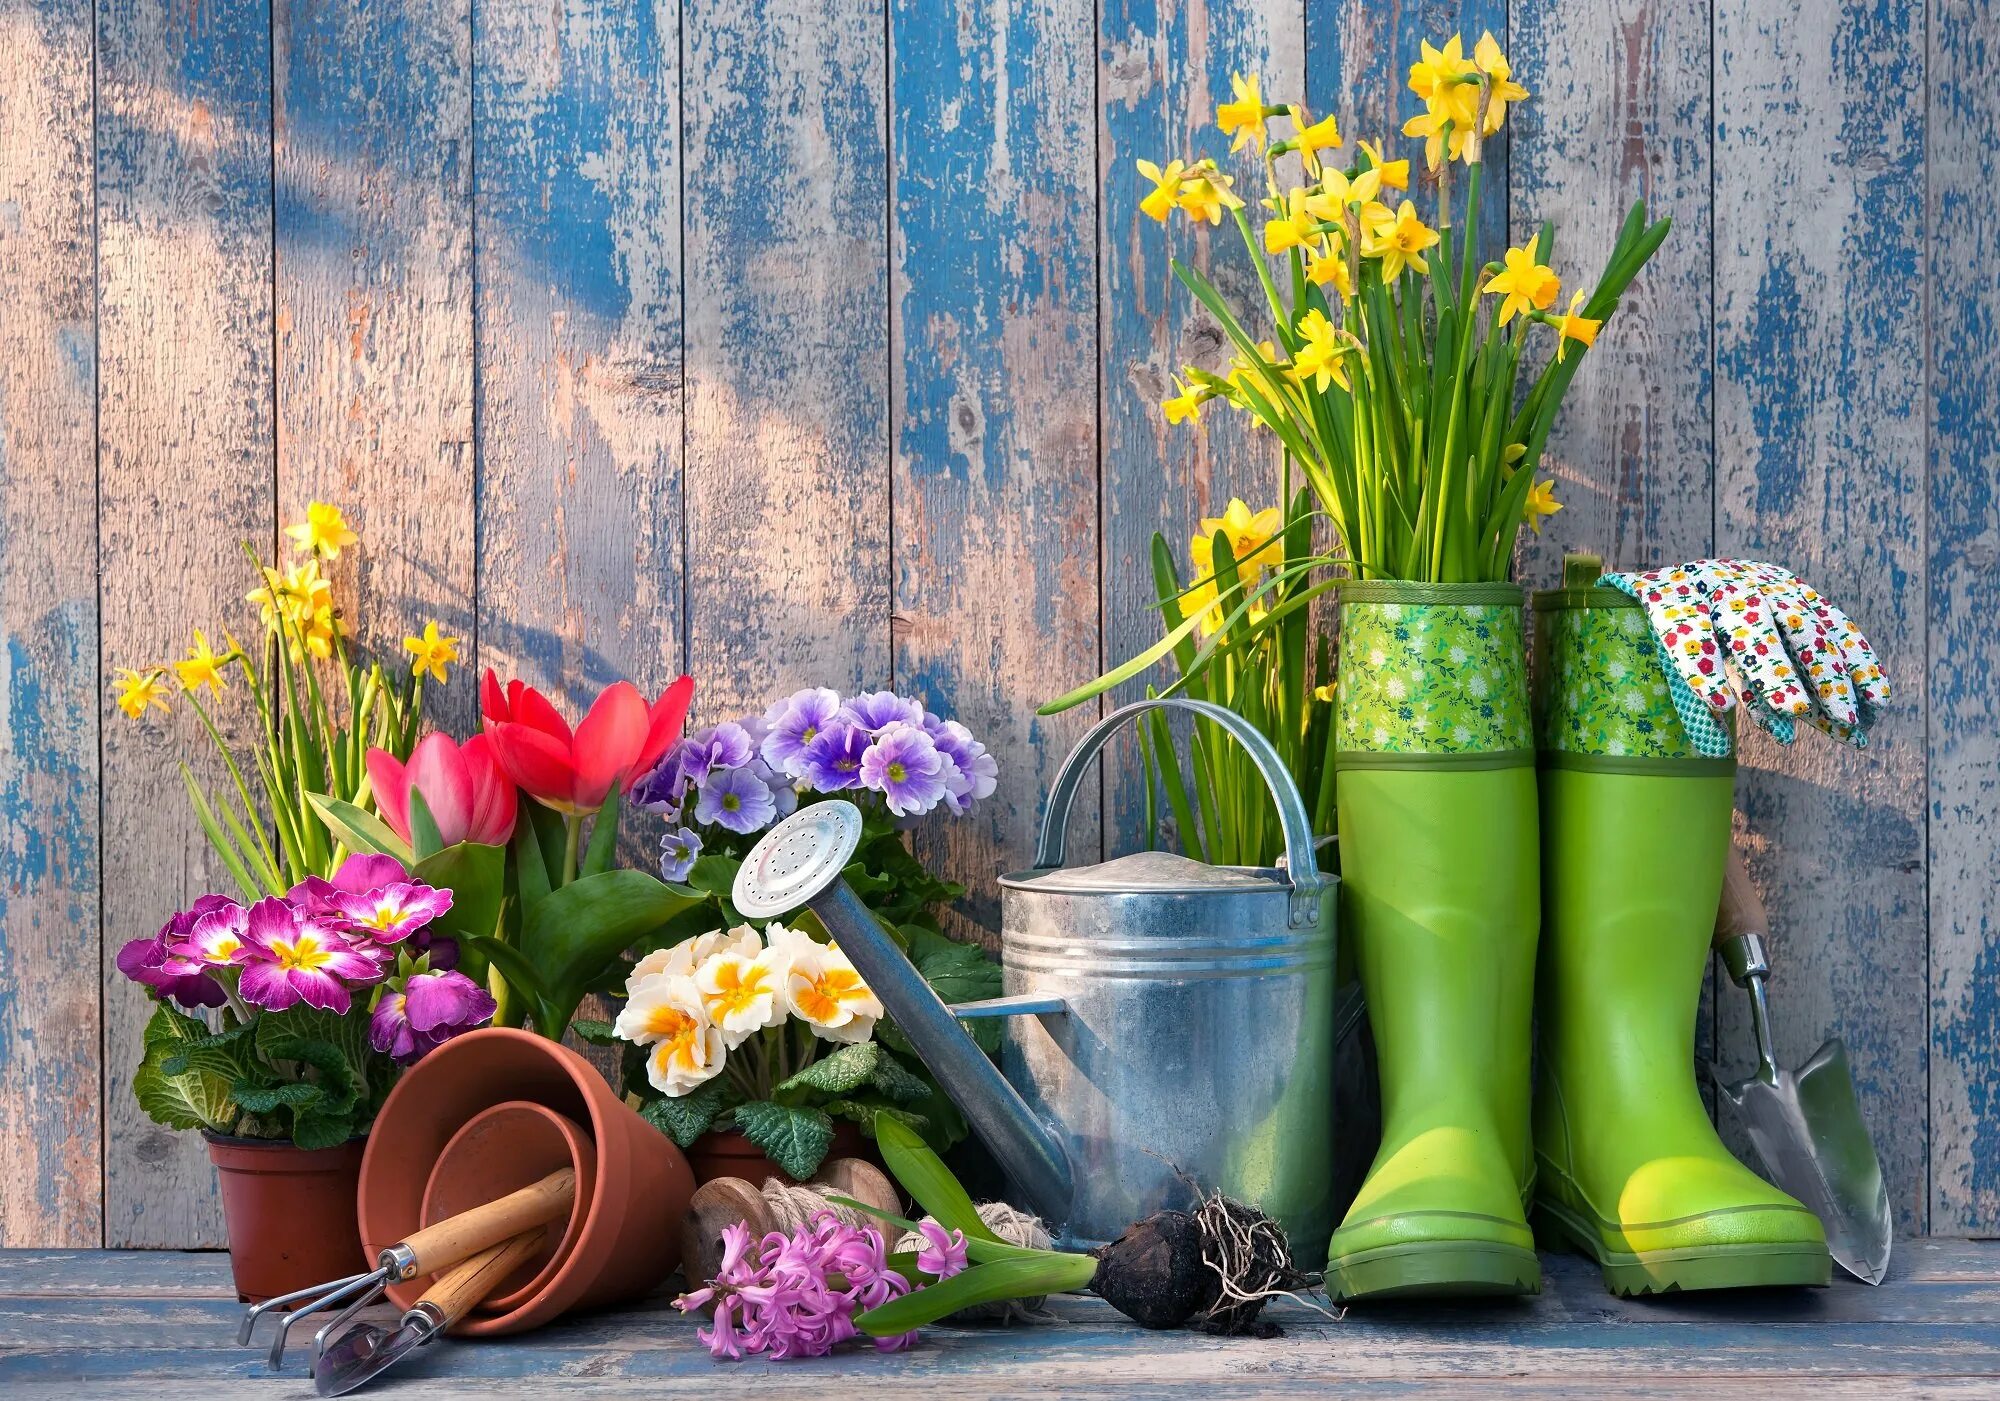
(51,1187)
(185,462)
(1819,466)
(787,475)
(372,159)
(1963,372)
(1933,1328)
(1162,68)
(578,277)
(994,402)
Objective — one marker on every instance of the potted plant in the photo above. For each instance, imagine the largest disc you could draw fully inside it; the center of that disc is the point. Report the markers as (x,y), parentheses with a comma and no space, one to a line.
(283,1009)
(776,1072)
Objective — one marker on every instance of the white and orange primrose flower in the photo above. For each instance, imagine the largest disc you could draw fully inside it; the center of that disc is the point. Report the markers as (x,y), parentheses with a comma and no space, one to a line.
(744,992)
(683,958)
(829,996)
(666,1013)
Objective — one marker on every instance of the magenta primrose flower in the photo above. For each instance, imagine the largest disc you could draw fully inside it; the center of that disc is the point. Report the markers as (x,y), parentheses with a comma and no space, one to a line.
(163,963)
(289,956)
(358,874)
(392,913)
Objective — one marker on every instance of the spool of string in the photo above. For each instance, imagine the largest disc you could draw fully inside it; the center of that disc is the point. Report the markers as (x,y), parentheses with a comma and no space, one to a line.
(793,1205)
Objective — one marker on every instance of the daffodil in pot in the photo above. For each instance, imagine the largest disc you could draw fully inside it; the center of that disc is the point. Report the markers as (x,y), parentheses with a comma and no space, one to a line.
(1411,381)
(284,1008)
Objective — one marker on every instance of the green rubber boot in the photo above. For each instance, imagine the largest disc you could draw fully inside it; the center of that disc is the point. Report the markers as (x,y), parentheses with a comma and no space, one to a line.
(1635,832)
(1439,873)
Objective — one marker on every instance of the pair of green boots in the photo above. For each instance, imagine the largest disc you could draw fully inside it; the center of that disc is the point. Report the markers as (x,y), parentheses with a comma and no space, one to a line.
(1456,857)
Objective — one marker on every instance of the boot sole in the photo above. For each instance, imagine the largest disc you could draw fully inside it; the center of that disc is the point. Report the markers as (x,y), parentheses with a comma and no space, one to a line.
(1689,1268)
(1446,1269)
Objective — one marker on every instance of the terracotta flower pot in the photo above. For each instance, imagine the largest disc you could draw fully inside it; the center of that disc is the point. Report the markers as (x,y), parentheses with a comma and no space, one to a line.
(629,1239)
(725,1153)
(289,1212)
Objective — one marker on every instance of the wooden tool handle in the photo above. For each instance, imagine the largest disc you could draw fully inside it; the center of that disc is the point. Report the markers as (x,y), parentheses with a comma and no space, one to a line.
(1742,909)
(440,1246)
(454,1294)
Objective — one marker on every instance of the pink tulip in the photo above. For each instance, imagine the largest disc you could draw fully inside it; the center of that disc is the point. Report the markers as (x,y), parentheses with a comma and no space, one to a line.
(469,795)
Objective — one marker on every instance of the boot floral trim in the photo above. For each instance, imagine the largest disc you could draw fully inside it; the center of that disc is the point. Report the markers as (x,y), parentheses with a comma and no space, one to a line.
(1599,687)
(1432,678)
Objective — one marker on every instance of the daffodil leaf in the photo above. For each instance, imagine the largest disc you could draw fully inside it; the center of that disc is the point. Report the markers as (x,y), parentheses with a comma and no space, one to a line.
(357,829)
(795,1138)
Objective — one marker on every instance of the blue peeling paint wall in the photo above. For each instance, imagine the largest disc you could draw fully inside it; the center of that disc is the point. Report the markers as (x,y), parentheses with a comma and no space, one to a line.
(821,342)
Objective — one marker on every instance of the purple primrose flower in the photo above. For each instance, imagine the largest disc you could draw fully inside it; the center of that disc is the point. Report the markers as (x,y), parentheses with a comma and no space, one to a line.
(906,769)
(163,963)
(736,799)
(832,761)
(359,873)
(392,913)
(425,1012)
(793,723)
(678,850)
(875,711)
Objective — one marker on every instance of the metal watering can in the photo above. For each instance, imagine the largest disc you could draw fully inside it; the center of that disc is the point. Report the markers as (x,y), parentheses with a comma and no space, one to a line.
(1175,1019)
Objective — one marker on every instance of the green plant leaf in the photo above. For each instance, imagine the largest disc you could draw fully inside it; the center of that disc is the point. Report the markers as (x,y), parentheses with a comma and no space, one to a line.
(476,876)
(595,1033)
(795,1138)
(924,1176)
(578,931)
(530,870)
(847,1069)
(358,830)
(268,1099)
(524,979)
(898,1084)
(864,1111)
(714,874)
(603,848)
(425,838)
(219,840)
(1050,1272)
(689,1117)
(196,1099)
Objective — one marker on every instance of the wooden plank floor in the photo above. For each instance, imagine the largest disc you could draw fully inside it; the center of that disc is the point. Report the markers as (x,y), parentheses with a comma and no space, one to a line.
(128,1323)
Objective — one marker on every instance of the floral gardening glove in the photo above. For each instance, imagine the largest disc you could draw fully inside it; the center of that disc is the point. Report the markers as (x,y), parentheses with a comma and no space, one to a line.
(1796,655)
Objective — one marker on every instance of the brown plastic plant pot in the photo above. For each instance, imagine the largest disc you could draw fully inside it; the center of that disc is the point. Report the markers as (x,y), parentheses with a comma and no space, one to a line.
(630,1236)
(501,1150)
(725,1153)
(287,1210)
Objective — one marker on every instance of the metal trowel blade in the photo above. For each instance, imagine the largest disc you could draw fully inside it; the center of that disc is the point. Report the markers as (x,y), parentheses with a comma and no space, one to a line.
(1808,1130)
(365,1350)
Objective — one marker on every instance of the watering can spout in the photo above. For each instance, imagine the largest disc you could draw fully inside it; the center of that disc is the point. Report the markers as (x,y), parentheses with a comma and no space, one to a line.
(798,864)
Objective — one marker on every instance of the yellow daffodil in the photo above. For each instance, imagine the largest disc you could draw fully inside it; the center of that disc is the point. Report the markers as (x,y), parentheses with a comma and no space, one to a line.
(1244,371)
(1339,189)
(139,689)
(1331,271)
(1524,283)
(324,532)
(1159,201)
(1324,693)
(1395,174)
(1322,359)
(1442,140)
(1486,56)
(297,596)
(1184,406)
(1399,242)
(201,667)
(1572,327)
(431,652)
(1541,502)
(1314,137)
(1243,119)
(1252,536)
(1294,226)
(1205,193)
(1440,77)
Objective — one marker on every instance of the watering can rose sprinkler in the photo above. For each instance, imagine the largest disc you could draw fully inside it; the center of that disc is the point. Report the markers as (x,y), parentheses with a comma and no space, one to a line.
(1171,1022)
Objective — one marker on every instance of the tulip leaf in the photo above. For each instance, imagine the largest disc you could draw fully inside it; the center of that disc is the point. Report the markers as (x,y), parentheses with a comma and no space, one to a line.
(531,872)
(358,829)
(523,978)
(603,848)
(1026,1277)
(579,930)
(425,838)
(476,876)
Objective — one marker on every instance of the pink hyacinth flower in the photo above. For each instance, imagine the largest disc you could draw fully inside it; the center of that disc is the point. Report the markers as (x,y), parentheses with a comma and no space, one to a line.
(290,957)
(943,1253)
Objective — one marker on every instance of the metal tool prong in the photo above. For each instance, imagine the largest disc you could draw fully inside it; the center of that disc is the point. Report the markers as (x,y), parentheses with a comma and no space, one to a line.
(253,1314)
(369,1287)
(327,1329)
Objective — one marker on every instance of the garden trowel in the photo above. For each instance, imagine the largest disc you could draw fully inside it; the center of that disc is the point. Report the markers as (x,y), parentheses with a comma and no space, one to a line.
(1806,1125)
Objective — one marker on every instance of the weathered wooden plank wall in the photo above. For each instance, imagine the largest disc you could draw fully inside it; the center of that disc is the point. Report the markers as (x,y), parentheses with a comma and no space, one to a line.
(804,342)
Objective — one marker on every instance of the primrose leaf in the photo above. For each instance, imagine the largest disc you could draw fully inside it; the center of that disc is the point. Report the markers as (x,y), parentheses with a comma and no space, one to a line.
(846,1069)
(794,1138)
(595,1033)
(897,1083)
(689,1117)
(194,1099)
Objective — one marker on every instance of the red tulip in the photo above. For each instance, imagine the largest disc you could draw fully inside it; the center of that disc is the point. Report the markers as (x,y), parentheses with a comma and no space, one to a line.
(617,742)
(469,795)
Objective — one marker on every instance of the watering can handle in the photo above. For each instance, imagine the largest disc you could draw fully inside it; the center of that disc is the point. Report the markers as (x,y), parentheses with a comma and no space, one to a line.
(1301,864)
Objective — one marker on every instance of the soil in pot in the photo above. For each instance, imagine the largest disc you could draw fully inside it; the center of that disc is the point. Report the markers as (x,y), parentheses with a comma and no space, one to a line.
(289,1212)
(725,1153)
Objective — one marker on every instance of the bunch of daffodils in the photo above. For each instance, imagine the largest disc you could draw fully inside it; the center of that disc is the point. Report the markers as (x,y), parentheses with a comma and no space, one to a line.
(1400,374)
(318,711)
(773,1035)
